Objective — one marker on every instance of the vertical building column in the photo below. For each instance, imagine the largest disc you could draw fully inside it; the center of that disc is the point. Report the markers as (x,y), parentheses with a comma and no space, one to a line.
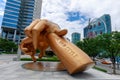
(37,9)
(14,37)
(7,35)
(18,53)
(1,32)
(19,38)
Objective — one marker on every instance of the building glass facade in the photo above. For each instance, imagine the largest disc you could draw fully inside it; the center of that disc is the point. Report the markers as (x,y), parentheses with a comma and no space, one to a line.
(98,26)
(17,15)
(75,37)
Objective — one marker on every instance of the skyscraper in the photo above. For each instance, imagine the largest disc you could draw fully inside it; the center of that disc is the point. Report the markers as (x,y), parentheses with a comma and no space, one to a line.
(98,26)
(17,15)
(75,37)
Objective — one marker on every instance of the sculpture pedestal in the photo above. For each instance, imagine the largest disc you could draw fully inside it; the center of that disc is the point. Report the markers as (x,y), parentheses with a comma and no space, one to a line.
(44,66)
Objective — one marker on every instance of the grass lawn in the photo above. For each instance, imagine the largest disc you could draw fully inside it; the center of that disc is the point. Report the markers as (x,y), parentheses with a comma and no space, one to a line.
(54,58)
(100,69)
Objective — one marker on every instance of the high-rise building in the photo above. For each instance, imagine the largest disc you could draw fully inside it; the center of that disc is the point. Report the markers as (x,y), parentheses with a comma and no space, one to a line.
(17,15)
(75,37)
(98,26)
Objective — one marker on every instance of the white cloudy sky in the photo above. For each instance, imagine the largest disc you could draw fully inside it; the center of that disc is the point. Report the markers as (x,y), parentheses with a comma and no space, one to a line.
(55,10)
(2,5)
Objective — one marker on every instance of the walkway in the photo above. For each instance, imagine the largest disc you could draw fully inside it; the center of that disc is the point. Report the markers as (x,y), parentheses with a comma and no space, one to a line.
(12,70)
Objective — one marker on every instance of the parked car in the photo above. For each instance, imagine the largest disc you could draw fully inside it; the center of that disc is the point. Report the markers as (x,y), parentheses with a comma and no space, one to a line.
(106,61)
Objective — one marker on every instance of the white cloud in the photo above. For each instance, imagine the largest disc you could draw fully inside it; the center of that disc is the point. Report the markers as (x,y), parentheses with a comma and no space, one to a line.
(54,10)
(2,6)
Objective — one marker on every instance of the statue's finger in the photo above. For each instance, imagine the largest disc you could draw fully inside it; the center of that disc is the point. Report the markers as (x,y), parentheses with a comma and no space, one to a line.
(62,32)
(29,53)
(39,27)
(26,40)
(24,49)
(29,28)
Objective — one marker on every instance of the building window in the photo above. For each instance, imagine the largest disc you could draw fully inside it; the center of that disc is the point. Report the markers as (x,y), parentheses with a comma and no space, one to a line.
(101,32)
(99,23)
(95,33)
(89,26)
(94,25)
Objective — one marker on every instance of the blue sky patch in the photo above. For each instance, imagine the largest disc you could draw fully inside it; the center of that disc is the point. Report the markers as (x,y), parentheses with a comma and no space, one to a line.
(1,19)
(74,16)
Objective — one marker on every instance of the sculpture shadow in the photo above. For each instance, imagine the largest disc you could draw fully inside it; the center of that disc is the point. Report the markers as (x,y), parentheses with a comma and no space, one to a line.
(82,75)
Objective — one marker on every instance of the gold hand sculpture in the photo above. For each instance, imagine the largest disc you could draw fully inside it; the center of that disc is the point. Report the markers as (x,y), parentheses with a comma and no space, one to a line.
(36,38)
(43,33)
(27,47)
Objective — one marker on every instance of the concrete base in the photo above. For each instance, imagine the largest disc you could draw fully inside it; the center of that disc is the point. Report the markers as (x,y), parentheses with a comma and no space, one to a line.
(44,66)
(12,70)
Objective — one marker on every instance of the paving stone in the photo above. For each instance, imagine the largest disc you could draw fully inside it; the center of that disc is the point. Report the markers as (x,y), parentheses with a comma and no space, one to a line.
(13,70)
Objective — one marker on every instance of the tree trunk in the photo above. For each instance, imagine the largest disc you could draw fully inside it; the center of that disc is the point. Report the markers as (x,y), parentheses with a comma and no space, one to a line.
(114,66)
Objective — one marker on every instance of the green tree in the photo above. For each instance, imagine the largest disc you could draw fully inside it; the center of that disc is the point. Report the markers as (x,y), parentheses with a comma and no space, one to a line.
(108,44)
(7,45)
(90,46)
(111,44)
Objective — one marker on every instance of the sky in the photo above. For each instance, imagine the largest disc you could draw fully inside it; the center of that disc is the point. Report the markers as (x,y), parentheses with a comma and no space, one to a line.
(2,6)
(74,14)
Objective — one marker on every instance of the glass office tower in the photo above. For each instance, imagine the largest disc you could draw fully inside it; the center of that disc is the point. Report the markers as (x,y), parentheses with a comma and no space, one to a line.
(75,37)
(17,15)
(98,26)
(10,19)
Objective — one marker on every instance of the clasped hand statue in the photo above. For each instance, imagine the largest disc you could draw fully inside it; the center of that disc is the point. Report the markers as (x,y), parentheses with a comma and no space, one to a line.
(36,37)
(43,33)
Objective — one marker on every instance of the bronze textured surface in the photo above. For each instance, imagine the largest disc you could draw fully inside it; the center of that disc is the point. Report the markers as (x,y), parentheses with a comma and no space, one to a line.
(42,34)
(44,66)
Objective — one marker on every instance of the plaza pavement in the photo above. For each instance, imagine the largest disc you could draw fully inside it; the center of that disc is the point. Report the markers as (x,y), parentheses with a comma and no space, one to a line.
(12,70)
(108,68)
